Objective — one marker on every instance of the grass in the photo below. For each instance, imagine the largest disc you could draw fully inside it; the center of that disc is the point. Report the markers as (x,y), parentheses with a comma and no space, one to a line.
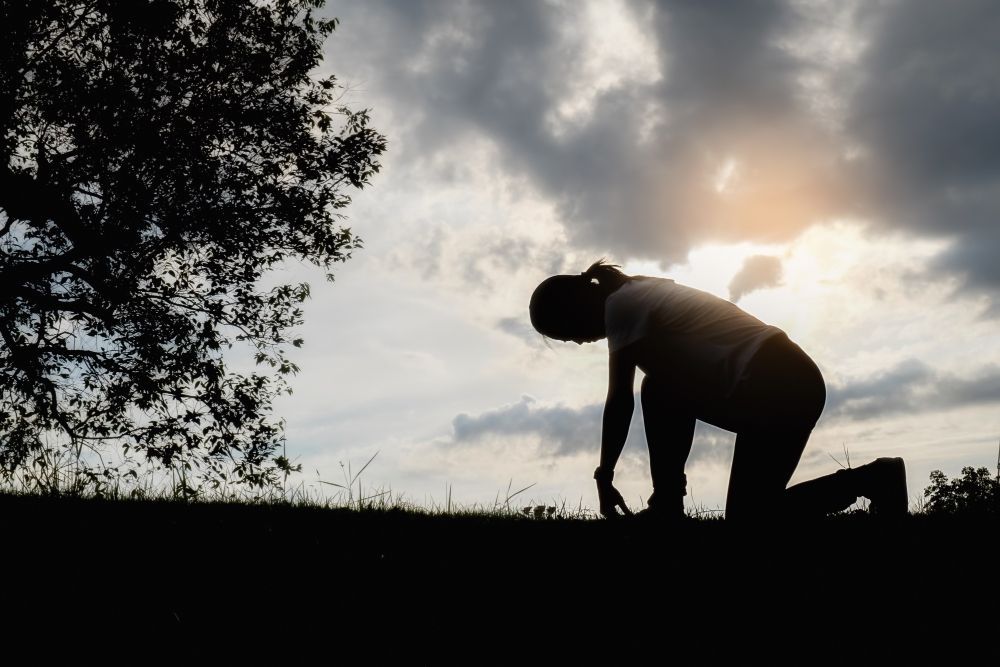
(339,564)
(348,494)
(60,475)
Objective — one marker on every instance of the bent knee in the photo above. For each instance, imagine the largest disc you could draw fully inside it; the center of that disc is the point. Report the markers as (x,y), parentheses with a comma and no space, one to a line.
(651,387)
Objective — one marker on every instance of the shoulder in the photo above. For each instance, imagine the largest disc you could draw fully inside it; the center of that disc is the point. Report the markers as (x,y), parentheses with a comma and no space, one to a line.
(622,296)
(640,293)
(639,284)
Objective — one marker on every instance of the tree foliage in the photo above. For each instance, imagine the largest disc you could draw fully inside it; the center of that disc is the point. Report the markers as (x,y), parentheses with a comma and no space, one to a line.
(977,491)
(158,158)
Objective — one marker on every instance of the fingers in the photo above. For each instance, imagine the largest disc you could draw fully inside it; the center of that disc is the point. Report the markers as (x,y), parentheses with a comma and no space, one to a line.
(620,502)
(612,511)
(611,500)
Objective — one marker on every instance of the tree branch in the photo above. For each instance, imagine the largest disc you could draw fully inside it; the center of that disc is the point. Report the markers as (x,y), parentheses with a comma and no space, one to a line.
(48,47)
(54,303)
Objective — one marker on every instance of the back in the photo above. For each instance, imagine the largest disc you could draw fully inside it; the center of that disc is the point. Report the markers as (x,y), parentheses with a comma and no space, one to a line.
(685,334)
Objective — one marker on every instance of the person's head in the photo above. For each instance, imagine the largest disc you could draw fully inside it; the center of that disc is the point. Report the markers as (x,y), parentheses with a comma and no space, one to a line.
(572,307)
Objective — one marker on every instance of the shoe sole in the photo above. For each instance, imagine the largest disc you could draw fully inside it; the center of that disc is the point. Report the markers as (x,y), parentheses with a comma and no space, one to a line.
(896,502)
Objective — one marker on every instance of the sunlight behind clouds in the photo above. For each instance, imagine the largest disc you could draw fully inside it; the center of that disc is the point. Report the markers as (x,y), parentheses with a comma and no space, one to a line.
(848,141)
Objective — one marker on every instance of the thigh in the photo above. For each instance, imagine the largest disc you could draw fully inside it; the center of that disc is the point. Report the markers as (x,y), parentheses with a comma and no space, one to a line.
(668,419)
(782,391)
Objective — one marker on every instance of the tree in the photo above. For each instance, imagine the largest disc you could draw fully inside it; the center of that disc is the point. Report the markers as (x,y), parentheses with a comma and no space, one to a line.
(159,157)
(977,491)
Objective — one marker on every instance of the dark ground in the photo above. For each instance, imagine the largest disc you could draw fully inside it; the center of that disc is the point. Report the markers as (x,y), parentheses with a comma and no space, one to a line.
(434,588)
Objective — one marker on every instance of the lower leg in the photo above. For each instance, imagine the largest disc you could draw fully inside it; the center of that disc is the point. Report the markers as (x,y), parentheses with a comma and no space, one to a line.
(821,496)
(763,462)
(669,435)
(882,481)
(666,468)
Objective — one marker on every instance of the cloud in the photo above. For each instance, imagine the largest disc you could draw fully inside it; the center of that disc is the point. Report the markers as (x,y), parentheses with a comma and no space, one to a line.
(911,387)
(885,393)
(758,272)
(924,114)
(496,256)
(559,429)
(520,328)
(711,445)
(749,124)
(564,431)
(634,174)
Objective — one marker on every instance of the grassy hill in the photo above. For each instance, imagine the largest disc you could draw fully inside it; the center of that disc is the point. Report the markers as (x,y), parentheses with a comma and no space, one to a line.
(924,586)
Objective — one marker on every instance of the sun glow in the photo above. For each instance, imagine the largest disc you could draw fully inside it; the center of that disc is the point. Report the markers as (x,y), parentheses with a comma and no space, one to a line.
(709,267)
(726,176)
(835,272)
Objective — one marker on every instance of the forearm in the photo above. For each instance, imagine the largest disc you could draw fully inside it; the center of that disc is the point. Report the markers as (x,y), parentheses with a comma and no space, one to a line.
(617,417)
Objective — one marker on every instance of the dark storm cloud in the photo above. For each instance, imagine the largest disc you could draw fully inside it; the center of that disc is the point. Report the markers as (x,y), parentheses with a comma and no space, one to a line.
(739,154)
(912,387)
(758,272)
(926,112)
(499,69)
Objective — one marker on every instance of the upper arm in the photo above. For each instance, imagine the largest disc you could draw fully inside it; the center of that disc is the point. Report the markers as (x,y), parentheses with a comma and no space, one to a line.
(621,373)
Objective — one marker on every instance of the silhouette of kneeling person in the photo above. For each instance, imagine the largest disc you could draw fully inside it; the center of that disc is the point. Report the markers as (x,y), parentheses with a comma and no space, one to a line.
(705,358)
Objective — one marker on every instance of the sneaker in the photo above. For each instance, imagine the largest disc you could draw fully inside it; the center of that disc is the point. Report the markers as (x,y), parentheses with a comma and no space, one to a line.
(883,482)
(657,515)
(658,510)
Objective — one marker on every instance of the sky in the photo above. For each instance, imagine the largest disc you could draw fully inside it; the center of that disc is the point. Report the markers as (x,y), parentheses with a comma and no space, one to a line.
(832,167)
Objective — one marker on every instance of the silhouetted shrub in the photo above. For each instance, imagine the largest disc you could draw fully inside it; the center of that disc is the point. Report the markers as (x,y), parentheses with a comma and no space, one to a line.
(977,491)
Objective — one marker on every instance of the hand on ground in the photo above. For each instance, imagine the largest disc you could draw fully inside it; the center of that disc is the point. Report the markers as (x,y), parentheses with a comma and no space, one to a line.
(611,500)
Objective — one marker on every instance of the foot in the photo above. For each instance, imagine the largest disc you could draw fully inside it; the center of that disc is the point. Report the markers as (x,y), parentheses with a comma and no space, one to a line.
(883,482)
(659,514)
(649,515)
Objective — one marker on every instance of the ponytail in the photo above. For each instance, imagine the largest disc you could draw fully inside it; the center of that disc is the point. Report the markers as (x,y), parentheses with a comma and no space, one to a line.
(608,276)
